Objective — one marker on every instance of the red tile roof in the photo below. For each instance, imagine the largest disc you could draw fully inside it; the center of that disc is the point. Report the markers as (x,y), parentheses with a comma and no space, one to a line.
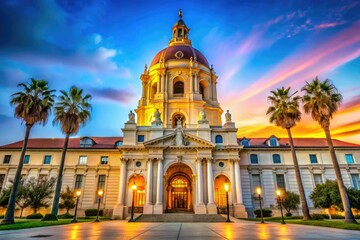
(301,142)
(58,143)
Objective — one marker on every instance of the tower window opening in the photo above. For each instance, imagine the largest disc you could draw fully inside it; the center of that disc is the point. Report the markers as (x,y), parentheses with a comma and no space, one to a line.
(180,33)
(176,118)
(179,88)
(153,90)
(201,90)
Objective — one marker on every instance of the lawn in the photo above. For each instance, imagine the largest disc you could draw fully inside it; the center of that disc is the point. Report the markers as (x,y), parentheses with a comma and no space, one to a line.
(33,223)
(338,223)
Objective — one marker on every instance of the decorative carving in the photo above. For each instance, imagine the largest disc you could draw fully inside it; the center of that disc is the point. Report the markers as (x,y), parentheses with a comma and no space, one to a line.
(131,117)
(202,115)
(157,120)
(180,138)
(228,116)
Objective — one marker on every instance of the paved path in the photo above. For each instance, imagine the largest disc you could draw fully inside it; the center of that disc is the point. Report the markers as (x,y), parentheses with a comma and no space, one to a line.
(158,231)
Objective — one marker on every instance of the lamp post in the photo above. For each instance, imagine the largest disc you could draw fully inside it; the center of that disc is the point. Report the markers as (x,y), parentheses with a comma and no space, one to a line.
(78,193)
(258,190)
(100,194)
(133,187)
(226,186)
(279,199)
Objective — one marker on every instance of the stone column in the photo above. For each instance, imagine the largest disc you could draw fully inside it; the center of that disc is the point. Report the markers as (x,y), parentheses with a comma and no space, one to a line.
(162,77)
(191,82)
(119,212)
(143,93)
(239,208)
(158,208)
(200,208)
(196,83)
(158,84)
(148,207)
(211,207)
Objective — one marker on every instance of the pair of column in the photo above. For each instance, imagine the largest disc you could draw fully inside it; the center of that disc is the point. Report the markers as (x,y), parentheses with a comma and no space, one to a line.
(210,182)
(159,185)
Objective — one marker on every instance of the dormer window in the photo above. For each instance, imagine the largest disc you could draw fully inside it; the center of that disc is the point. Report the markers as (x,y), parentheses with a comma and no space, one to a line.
(245,143)
(86,142)
(273,142)
(118,143)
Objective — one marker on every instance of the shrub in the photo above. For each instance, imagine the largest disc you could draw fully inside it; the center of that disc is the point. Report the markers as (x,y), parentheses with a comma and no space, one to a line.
(93,212)
(318,216)
(357,216)
(35,216)
(337,216)
(49,217)
(266,212)
(291,201)
(65,216)
(288,214)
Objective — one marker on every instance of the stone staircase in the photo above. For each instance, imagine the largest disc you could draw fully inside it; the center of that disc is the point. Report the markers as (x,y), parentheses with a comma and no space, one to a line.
(181,217)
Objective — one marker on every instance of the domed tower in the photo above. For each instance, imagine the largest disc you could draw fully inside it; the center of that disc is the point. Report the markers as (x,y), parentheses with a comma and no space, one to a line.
(180,83)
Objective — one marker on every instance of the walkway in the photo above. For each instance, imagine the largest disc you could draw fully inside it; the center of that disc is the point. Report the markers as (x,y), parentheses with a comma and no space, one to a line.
(158,231)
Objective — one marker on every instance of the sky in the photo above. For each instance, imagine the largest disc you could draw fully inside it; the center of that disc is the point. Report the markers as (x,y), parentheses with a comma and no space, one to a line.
(254,46)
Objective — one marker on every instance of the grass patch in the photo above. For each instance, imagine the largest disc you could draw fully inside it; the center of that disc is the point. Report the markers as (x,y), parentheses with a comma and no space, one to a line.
(33,223)
(319,223)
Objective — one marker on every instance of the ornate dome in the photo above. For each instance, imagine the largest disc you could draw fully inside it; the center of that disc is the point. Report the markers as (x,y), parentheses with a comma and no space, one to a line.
(180,52)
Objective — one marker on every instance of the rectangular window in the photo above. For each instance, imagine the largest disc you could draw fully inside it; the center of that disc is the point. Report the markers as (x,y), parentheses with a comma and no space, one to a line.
(2,180)
(349,158)
(78,181)
(47,159)
(104,160)
(318,179)
(26,159)
(254,159)
(7,159)
(140,138)
(83,160)
(256,180)
(356,181)
(313,158)
(280,182)
(101,182)
(276,158)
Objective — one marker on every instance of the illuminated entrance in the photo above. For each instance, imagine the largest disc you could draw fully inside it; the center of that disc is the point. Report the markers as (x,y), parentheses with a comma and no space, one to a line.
(179,188)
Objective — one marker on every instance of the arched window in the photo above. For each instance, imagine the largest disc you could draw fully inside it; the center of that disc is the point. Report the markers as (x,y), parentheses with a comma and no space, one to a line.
(201,91)
(153,90)
(273,142)
(276,158)
(179,88)
(118,143)
(218,139)
(178,117)
(86,142)
(245,143)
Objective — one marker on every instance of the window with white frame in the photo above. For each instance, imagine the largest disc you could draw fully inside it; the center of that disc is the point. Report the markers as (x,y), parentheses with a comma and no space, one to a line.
(273,142)
(7,159)
(254,159)
(78,181)
(83,160)
(280,182)
(276,158)
(313,158)
(318,179)
(104,160)
(355,181)
(349,158)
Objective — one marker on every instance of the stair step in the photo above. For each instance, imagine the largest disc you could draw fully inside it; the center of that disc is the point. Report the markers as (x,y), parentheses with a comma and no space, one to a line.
(181,217)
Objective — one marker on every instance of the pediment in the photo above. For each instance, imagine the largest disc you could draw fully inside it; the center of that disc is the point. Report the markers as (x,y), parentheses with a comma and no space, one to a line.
(177,140)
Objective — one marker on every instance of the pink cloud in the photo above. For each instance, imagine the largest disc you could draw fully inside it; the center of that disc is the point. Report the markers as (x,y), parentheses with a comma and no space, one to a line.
(327,25)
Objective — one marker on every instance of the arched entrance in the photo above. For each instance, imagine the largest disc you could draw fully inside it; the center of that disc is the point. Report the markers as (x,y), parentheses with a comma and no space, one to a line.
(139,194)
(179,189)
(220,193)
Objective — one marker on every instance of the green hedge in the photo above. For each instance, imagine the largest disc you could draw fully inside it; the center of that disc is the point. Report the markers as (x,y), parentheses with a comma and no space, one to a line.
(65,216)
(49,217)
(35,216)
(93,212)
(266,212)
(318,216)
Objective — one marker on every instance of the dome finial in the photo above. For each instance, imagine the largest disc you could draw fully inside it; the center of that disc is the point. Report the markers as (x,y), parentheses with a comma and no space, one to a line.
(180,13)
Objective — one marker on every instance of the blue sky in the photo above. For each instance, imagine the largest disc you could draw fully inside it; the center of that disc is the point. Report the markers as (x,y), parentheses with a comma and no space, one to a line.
(255,46)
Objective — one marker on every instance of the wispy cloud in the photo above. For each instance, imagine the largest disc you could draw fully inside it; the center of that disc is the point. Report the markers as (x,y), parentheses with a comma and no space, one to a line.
(112,94)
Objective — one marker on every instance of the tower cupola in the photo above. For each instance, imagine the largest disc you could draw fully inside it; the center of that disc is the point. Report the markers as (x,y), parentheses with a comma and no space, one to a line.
(180,32)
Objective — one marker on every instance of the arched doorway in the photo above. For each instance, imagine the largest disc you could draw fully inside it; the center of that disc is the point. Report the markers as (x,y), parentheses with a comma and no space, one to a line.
(139,194)
(220,193)
(179,189)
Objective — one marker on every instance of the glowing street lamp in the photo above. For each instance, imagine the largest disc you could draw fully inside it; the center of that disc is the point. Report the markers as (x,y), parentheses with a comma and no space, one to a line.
(78,194)
(258,191)
(279,199)
(133,187)
(100,194)
(226,186)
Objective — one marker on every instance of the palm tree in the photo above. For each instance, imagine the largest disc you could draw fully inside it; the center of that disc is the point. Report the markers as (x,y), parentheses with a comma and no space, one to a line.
(32,105)
(285,113)
(72,111)
(322,100)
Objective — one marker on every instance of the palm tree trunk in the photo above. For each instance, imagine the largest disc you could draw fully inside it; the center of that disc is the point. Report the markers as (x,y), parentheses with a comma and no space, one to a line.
(349,217)
(304,205)
(55,206)
(10,211)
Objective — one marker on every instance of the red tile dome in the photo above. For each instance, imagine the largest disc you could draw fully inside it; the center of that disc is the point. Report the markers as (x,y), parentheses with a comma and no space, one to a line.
(180,52)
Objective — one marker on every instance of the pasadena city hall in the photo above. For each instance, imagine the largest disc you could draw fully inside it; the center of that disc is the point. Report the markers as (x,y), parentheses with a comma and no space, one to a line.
(178,152)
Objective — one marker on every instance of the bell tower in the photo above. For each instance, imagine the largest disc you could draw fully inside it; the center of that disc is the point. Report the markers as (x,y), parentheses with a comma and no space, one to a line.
(180,83)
